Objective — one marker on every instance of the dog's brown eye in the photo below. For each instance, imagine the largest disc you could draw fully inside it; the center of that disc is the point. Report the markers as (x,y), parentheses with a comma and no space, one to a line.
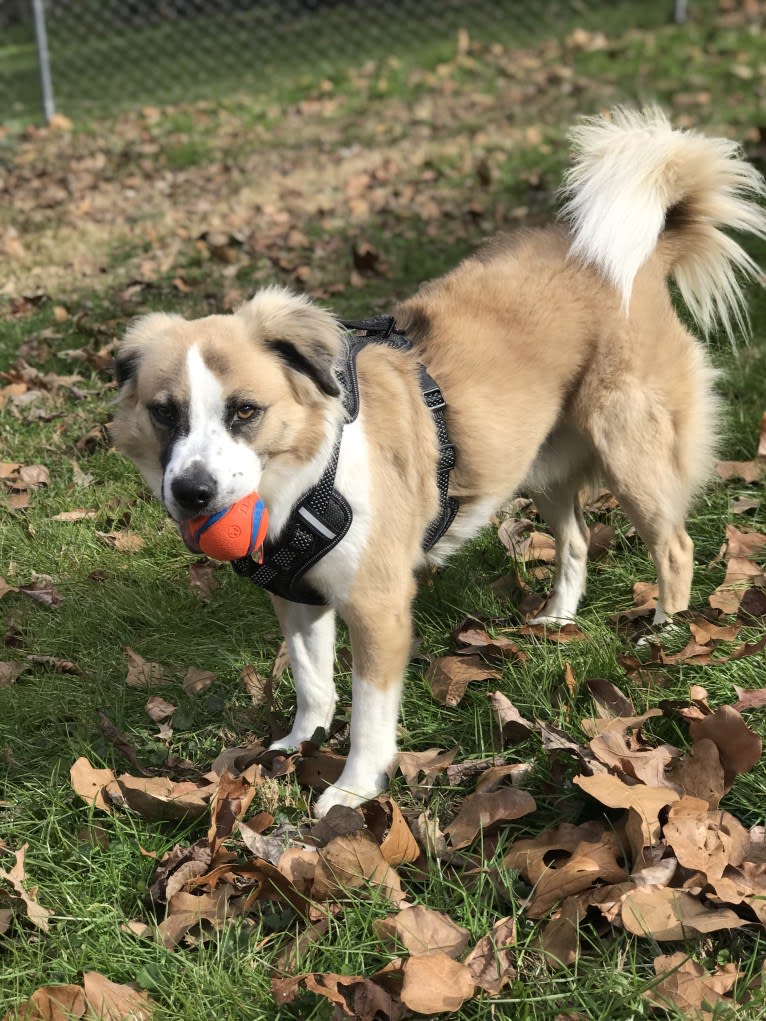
(164,414)
(245,412)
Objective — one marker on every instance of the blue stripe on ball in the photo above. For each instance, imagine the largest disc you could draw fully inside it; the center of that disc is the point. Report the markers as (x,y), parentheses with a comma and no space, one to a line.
(255,525)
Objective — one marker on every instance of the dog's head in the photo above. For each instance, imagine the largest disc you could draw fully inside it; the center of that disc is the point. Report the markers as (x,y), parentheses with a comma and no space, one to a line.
(212,409)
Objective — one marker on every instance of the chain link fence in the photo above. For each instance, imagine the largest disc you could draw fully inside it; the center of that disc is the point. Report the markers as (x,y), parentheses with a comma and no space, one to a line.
(108,54)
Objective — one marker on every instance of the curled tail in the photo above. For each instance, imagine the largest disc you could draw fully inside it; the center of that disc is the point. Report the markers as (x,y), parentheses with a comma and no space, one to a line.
(635,183)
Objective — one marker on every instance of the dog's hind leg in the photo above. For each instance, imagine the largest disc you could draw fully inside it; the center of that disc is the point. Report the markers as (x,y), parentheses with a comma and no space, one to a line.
(561,509)
(654,458)
(310,637)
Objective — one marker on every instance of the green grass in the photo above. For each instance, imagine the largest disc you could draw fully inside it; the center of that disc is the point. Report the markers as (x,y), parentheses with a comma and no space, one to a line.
(88,867)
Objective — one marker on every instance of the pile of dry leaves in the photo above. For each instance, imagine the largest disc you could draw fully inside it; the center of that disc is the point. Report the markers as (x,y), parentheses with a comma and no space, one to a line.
(659,858)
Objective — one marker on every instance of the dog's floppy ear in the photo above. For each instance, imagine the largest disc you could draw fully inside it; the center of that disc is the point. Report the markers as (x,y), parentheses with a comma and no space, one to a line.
(306,337)
(125,366)
(140,334)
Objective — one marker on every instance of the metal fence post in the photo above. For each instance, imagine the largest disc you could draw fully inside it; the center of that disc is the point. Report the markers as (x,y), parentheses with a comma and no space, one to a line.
(43,58)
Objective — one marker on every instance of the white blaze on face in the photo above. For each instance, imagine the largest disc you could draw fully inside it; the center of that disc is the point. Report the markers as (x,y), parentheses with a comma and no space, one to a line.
(209,443)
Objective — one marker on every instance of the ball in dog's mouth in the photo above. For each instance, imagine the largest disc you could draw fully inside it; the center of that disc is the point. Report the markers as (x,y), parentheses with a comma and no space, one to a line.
(237,531)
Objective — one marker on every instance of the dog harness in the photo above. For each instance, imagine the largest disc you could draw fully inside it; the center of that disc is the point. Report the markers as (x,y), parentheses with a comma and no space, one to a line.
(322,517)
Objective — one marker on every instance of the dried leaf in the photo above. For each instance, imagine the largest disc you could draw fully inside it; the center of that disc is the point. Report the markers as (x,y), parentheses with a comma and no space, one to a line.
(89,783)
(744,471)
(157,708)
(609,700)
(202,579)
(318,768)
(475,639)
(64,666)
(187,911)
(646,802)
(75,515)
(490,960)
(339,820)
(619,744)
(434,983)
(600,538)
(158,799)
(196,680)
(743,544)
(52,1003)
(524,543)
(121,743)
(356,996)
(667,914)
(10,670)
(700,773)
(354,862)
(421,930)
(42,590)
(428,763)
(749,698)
(704,631)
(688,988)
(515,773)
(565,861)
(738,747)
(705,841)
(385,820)
(513,726)
(31,476)
(231,800)
(16,877)
(177,868)
(258,687)
(449,676)
(752,605)
(111,1001)
(125,541)
(561,633)
(482,812)
(142,673)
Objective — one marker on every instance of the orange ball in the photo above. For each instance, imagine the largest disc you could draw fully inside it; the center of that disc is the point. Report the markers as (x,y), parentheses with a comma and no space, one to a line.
(230,534)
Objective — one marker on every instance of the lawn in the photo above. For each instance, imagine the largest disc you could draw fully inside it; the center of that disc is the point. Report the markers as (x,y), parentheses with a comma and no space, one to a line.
(353,184)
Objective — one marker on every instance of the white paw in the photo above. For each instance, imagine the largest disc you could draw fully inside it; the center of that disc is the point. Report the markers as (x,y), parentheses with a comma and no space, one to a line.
(292,742)
(289,743)
(553,619)
(666,628)
(338,795)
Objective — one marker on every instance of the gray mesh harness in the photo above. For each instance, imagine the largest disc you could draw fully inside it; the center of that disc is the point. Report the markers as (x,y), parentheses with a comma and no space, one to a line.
(322,516)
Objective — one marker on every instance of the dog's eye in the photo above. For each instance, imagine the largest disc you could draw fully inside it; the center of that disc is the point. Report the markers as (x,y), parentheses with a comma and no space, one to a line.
(164,414)
(245,412)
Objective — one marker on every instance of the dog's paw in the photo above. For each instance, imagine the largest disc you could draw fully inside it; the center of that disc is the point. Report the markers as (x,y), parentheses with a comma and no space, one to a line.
(335,795)
(666,628)
(553,619)
(287,744)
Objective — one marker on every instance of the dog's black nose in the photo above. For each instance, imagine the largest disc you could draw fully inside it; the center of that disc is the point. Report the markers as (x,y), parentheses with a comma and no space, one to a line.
(193,491)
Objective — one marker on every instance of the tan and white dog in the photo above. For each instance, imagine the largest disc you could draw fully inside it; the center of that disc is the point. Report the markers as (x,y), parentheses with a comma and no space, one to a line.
(560,358)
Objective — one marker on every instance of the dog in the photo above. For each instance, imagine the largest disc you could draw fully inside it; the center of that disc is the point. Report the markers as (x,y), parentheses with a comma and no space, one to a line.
(558,358)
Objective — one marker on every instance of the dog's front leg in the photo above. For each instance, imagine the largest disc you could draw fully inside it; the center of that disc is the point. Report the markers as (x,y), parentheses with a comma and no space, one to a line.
(380,645)
(310,637)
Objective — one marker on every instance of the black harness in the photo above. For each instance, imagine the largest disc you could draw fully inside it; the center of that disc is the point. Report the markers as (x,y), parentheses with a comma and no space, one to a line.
(322,517)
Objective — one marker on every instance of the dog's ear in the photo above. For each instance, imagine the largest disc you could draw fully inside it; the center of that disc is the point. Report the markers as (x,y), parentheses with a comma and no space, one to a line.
(306,337)
(139,336)
(125,366)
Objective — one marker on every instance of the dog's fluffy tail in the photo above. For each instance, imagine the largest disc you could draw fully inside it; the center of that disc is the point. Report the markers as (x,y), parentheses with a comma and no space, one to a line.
(635,181)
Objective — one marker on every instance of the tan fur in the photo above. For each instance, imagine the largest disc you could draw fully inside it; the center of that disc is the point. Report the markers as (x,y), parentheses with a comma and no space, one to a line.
(553,376)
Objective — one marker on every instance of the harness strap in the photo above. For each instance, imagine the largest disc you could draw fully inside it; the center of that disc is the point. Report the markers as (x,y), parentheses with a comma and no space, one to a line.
(323,516)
